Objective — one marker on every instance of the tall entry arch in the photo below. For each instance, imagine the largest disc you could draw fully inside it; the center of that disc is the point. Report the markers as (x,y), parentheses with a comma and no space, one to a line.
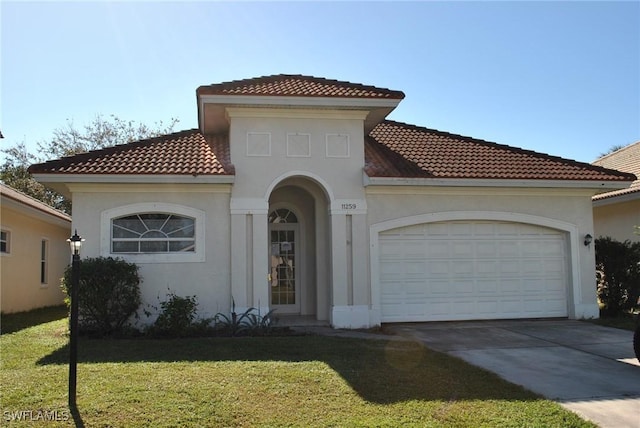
(299,248)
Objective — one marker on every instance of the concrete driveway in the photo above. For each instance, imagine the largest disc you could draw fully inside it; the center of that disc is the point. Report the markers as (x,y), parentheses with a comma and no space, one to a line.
(588,369)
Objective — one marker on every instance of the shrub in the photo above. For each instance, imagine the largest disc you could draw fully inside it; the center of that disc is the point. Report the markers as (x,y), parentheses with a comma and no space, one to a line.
(617,275)
(178,317)
(108,294)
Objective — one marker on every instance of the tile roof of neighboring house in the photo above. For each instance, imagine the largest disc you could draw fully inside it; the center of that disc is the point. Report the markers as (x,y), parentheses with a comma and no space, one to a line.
(182,153)
(27,200)
(299,86)
(626,159)
(396,149)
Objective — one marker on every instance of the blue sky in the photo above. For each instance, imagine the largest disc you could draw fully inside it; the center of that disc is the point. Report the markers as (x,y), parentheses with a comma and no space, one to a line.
(556,77)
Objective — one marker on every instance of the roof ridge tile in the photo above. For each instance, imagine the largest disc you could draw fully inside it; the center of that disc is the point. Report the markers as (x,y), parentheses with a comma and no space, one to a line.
(342,88)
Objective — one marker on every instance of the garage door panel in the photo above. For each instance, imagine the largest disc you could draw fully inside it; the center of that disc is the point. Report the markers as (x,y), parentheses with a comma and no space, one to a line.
(509,267)
(464,308)
(463,268)
(471,270)
(487,307)
(555,286)
(438,309)
(415,289)
(460,229)
(439,287)
(414,267)
(484,229)
(488,268)
(438,250)
(554,265)
(486,249)
(390,269)
(508,249)
(463,287)
(438,268)
(461,250)
(532,267)
(488,286)
(512,307)
(512,286)
(435,229)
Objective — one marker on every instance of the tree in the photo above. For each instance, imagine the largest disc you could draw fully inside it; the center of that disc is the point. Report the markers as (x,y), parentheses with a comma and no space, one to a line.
(612,149)
(68,140)
(617,275)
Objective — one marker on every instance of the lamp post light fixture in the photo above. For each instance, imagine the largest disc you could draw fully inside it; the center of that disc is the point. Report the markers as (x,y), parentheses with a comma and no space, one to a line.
(75,242)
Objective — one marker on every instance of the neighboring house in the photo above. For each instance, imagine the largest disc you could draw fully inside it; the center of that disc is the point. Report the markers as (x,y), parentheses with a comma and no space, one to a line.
(617,213)
(296,194)
(33,252)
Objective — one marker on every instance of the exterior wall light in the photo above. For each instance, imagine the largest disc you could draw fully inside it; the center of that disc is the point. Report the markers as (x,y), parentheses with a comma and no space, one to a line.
(588,239)
(75,242)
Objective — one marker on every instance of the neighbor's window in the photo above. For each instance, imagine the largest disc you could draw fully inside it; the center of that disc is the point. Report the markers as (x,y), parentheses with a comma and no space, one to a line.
(153,233)
(4,241)
(44,250)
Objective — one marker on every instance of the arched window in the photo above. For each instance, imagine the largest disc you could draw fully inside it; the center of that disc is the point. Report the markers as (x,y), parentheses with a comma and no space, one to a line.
(150,232)
(282,215)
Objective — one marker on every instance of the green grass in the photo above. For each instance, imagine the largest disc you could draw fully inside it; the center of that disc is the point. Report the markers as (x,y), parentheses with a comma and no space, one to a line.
(625,321)
(270,381)
(10,323)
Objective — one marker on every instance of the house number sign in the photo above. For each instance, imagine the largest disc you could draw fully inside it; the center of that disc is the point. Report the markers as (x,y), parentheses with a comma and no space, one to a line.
(349,206)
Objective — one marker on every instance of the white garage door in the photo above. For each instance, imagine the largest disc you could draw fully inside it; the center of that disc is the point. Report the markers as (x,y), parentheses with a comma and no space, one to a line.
(463,270)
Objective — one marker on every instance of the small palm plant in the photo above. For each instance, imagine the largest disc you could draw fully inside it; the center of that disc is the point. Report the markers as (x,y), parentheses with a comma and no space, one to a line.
(248,322)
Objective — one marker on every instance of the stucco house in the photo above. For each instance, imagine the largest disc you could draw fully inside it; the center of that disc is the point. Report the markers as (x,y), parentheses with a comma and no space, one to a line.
(616,214)
(295,193)
(33,252)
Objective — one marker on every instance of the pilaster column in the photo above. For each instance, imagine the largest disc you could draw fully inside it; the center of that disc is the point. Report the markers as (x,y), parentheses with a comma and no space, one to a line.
(260,268)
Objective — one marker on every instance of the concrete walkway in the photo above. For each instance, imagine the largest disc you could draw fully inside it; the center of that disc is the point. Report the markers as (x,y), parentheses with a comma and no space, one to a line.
(589,369)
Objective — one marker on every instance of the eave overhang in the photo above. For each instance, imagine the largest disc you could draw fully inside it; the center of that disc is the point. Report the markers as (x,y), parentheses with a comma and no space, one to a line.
(597,186)
(213,107)
(59,182)
(617,199)
(47,215)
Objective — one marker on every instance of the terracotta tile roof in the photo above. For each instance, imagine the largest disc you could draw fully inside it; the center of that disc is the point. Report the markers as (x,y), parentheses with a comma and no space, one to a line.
(627,159)
(396,149)
(297,85)
(183,153)
(11,193)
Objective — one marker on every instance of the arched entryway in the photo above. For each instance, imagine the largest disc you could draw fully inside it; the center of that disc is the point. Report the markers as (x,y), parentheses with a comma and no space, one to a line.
(298,239)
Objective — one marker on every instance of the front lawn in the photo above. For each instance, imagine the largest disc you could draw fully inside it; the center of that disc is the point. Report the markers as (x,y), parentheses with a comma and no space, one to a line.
(268,381)
(624,321)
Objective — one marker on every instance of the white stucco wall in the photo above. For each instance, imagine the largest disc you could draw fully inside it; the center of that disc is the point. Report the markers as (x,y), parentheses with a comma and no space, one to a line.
(257,169)
(270,147)
(208,279)
(562,207)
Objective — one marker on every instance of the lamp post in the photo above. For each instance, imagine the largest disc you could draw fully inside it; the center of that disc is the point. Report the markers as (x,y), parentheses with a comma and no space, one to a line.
(75,242)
